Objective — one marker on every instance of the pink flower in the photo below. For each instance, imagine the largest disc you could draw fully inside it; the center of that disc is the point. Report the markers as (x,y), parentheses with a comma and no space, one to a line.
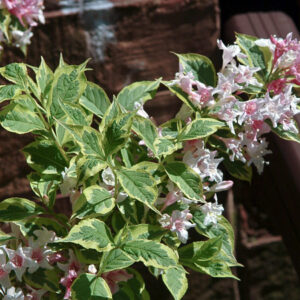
(221,186)
(56,257)
(178,223)
(4,269)
(235,146)
(277,85)
(19,260)
(229,53)
(112,278)
(14,294)
(212,212)
(174,195)
(28,10)
(282,46)
(34,294)
(72,270)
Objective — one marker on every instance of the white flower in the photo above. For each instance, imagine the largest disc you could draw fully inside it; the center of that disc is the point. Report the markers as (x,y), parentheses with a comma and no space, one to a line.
(265,43)
(141,112)
(35,294)
(68,184)
(92,269)
(228,111)
(21,38)
(174,195)
(203,162)
(108,177)
(221,186)
(251,110)
(39,249)
(242,74)
(19,260)
(286,60)
(229,53)
(226,86)
(4,269)
(14,294)
(212,212)
(235,146)
(178,223)
(257,151)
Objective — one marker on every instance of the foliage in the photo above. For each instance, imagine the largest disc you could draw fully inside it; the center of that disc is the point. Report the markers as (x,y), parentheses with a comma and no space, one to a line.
(137,188)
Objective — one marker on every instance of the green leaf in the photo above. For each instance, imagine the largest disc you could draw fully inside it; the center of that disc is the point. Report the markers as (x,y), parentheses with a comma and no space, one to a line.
(44,78)
(111,113)
(44,186)
(186,179)
(284,134)
(238,169)
(138,92)
(14,209)
(199,128)
(18,119)
(88,139)
(201,67)
(76,115)
(183,96)
(171,128)
(4,237)
(146,130)
(90,234)
(154,169)
(95,99)
(88,166)
(145,232)
(116,133)
(176,281)
(128,210)
(16,73)
(200,251)
(214,268)
(47,280)
(28,226)
(151,253)
(94,201)
(165,146)
(88,256)
(5,18)
(224,230)
(68,85)
(114,260)
(90,287)
(257,56)
(139,185)
(9,92)
(132,289)
(43,156)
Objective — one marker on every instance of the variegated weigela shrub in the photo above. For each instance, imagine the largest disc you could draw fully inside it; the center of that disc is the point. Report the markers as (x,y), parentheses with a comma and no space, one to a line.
(17,17)
(137,189)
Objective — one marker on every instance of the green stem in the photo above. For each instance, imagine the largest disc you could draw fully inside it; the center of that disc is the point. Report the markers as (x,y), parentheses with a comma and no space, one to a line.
(56,217)
(61,150)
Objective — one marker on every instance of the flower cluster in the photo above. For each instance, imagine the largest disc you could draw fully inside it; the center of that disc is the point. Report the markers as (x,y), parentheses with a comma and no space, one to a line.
(25,258)
(272,103)
(18,17)
(33,254)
